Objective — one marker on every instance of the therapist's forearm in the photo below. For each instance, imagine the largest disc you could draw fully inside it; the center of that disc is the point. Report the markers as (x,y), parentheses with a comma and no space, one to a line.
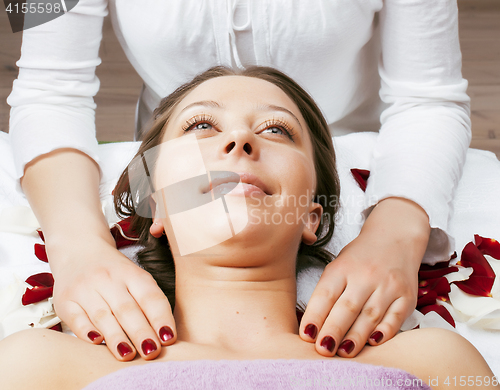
(404,221)
(62,188)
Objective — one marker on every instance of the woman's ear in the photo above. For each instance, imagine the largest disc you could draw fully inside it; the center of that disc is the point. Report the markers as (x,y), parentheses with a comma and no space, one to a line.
(156,229)
(312,223)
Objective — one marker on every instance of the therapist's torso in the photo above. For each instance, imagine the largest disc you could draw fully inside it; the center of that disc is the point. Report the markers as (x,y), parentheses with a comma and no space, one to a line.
(330,47)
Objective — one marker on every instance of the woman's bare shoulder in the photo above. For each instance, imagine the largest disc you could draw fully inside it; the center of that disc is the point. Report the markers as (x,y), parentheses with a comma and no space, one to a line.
(45,359)
(435,354)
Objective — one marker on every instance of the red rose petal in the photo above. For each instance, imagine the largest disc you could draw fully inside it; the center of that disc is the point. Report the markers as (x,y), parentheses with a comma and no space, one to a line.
(299,314)
(488,246)
(476,285)
(441,310)
(432,284)
(433,274)
(123,234)
(439,285)
(40,233)
(126,225)
(426,299)
(36,294)
(119,239)
(43,279)
(57,327)
(361,176)
(482,278)
(440,265)
(472,257)
(436,271)
(40,253)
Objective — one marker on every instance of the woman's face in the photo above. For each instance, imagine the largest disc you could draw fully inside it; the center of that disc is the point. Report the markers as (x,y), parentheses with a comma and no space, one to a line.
(236,168)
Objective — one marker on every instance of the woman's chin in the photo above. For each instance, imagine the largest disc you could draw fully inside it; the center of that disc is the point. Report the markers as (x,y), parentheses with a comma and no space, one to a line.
(238,224)
(251,236)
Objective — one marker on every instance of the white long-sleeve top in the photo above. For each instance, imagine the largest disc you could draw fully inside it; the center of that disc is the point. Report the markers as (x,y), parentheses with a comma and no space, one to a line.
(387,65)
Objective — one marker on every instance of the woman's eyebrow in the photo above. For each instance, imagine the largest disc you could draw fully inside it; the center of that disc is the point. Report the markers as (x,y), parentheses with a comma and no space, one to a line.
(272,107)
(204,103)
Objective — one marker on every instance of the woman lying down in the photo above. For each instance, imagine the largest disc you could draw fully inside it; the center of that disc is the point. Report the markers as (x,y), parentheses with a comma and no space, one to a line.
(232,182)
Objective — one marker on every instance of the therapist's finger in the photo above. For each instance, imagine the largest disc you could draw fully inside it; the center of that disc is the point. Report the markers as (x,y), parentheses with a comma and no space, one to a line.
(324,296)
(366,322)
(80,324)
(155,306)
(101,316)
(394,318)
(133,322)
(341,317)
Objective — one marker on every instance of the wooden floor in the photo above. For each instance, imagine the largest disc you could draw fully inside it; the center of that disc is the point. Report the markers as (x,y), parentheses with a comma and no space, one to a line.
(120,85)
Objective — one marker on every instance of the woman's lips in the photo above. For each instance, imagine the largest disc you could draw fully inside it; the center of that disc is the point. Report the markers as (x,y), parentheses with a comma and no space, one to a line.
(232,188)
(242,183)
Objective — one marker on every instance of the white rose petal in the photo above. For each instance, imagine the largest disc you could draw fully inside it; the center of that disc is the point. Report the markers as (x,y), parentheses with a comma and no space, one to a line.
(495,265)
(18,219)
(433,320)
(462,274)
(477,311)
(412,321)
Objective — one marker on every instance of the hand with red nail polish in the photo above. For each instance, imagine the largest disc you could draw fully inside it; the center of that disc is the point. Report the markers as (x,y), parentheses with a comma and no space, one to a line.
(96,287)
(367,292)
(119,311)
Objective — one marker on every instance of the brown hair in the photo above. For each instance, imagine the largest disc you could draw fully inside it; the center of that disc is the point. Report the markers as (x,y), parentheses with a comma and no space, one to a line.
(156,257)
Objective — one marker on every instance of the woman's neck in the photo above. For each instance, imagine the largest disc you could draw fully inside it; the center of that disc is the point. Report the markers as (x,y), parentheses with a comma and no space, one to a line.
(235,308)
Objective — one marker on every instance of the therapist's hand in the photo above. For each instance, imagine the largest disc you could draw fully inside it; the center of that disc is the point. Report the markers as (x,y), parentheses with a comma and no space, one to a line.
(370,289)
(101,294)
(98,292)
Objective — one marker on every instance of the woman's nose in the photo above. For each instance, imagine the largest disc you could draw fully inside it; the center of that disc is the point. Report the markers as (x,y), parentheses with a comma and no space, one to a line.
(247,148)
(240,143)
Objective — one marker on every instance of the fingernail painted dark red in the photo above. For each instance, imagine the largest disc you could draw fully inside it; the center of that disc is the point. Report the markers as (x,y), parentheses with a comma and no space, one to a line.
(311,330)
(148,346)
(347,346)
(124,349)
(377,336)
(92,335)
(328,343)
(166,333)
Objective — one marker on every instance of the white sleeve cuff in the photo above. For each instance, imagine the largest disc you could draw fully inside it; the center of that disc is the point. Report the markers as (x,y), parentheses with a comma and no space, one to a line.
(44,131)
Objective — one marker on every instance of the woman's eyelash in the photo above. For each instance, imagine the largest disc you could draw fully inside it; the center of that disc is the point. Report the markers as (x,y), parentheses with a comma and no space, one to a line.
(281,124)
(199,119)
(205,118)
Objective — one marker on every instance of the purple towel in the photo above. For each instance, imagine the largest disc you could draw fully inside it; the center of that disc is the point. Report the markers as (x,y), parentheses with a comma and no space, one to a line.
(257,374)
